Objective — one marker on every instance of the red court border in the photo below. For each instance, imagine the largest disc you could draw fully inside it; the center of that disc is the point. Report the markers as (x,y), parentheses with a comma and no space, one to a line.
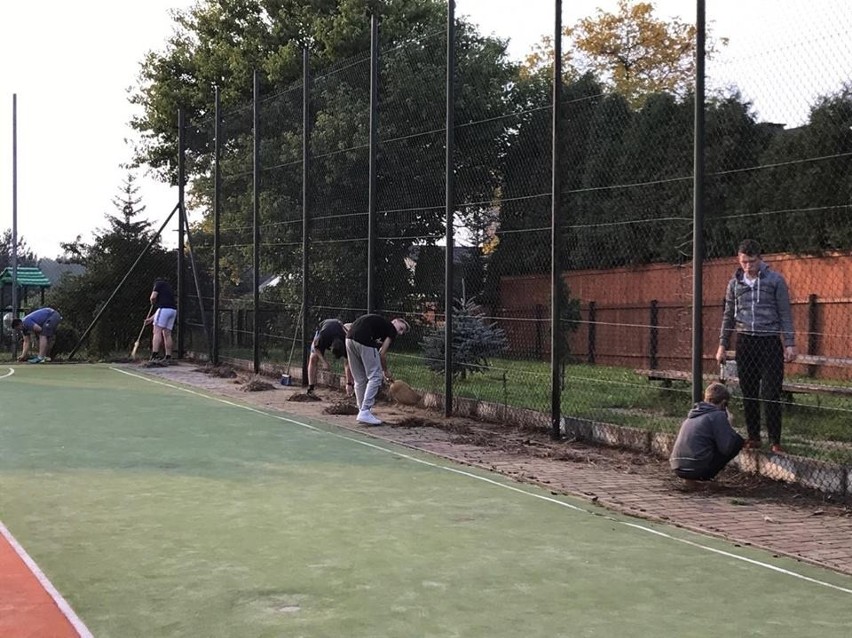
(30,606)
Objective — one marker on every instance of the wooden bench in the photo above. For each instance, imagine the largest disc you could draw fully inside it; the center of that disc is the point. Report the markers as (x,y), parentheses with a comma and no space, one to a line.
(790,387)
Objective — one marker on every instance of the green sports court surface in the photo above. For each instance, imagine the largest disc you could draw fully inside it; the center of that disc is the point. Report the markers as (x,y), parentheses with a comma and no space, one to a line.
(159,510)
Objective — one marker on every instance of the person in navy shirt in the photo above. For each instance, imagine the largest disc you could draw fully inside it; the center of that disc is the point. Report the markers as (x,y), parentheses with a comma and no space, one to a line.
(40,323)
(163,318)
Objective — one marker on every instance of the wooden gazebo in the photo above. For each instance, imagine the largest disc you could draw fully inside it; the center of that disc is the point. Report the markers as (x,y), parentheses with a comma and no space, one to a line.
(27,279)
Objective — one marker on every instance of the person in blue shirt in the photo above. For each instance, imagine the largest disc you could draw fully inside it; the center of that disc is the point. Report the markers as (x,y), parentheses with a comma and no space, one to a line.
(40,323)
(163,318)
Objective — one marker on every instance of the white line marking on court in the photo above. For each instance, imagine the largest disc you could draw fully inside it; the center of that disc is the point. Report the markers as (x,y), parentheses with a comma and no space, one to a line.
(722,552)
(484,479)
(63,605)
(8,374)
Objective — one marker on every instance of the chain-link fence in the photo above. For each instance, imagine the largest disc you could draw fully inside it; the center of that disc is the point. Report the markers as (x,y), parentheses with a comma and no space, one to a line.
(344,212)
(104,304)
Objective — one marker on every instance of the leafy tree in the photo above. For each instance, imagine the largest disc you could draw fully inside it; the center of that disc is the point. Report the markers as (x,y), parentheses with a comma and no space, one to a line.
(632,51)
(26,257)
(736,142)
(108,259)
(475,341)
(430,276)
(799,202)
(220,43)
(525,209)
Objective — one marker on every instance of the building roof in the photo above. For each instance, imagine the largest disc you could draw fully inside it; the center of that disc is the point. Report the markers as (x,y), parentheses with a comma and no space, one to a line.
(26,277)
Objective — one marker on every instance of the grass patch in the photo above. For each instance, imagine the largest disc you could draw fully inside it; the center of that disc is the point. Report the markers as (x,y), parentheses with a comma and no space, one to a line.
(814,426)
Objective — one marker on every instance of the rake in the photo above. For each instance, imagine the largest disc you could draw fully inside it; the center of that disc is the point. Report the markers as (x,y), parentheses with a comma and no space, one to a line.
(136,343)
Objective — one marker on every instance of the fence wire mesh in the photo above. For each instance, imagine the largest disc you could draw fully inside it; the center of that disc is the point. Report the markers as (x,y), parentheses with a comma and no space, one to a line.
(777,165)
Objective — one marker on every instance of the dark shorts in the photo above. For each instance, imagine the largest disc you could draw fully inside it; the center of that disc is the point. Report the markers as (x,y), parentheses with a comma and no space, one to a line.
(48,328)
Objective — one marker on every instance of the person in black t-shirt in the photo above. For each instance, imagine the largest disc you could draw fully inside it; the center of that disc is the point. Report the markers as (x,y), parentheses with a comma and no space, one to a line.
(331,334)
(370,336)
(163,318)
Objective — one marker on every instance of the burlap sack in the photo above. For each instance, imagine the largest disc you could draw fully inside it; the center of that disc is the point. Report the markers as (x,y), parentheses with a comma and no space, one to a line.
(401,392)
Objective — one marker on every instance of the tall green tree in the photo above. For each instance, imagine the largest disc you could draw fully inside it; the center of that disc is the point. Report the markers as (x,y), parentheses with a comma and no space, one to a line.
(25,256)
(799,195)
(108,259)
(221,43)
(631,50)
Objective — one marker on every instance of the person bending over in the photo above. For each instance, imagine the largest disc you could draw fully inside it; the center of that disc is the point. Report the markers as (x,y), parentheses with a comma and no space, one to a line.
(40,323)
(331,334)
(370,337)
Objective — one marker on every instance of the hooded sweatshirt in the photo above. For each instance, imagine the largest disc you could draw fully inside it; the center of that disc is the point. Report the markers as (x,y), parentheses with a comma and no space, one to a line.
(762,310)
(705,434)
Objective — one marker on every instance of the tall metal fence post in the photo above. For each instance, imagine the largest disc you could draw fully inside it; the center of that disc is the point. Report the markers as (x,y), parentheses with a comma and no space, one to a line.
(374,142)
(181,287)
(813,331)
(306,185)
(256,219)
(698,210)
(203,313)
(654,336)
(449,197)
(15,216)
(555,231)
(593,309)
(217,217)
(539,338)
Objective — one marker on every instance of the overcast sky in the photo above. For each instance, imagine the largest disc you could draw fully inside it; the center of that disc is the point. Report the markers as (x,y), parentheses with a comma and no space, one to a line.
(71,64)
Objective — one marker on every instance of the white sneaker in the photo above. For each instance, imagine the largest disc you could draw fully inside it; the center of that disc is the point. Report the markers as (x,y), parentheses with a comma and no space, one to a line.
(365,416)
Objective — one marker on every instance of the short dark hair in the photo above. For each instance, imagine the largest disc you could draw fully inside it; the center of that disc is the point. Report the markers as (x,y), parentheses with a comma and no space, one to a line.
(717,393)
(749,247)
(16,323)
(338,347)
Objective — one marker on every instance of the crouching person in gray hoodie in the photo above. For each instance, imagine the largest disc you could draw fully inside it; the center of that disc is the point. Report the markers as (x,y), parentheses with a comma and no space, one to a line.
(706,441)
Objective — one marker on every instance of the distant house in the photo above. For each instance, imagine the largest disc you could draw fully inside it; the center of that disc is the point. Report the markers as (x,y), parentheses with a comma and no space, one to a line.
(269,281)
(56,270)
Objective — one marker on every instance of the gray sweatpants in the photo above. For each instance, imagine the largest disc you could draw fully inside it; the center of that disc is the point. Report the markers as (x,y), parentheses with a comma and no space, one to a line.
(366,367)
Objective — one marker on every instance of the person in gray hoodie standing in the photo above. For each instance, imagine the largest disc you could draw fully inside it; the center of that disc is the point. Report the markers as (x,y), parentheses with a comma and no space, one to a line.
(706,441)
(757,306)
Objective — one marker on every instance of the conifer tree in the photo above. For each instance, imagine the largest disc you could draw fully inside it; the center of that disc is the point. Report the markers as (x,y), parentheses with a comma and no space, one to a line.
(475,341)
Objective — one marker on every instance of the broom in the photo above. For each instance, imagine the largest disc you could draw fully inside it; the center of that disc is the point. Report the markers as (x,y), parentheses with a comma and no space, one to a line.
(136,343)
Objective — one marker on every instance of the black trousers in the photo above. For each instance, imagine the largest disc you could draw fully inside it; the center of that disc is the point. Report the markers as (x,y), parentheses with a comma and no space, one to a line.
(760,367)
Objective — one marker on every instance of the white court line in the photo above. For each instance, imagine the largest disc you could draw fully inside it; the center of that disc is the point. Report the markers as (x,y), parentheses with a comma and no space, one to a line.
(484,479)
(8,374)
(722,552)
(63,605)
